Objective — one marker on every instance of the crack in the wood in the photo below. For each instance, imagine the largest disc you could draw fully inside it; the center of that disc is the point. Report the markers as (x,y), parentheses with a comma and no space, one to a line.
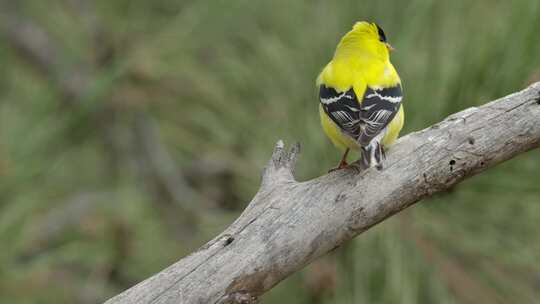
(515,107)
(340,197)
(261,213)
(153,300)
(255,218)
(503,111)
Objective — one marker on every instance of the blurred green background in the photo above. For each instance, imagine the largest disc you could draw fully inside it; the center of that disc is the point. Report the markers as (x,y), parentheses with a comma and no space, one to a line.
(133,131)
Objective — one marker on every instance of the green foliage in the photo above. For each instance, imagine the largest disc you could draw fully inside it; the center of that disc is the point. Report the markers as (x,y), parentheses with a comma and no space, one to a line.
(224,80)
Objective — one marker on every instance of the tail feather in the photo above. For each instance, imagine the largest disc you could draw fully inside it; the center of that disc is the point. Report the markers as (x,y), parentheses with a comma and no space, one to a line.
(373,155)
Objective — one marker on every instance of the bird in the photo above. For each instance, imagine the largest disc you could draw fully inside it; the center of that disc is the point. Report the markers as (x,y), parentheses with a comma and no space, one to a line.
(360,96)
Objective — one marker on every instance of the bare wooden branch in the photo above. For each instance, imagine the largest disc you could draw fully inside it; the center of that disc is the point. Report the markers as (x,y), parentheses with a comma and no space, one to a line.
(288,224)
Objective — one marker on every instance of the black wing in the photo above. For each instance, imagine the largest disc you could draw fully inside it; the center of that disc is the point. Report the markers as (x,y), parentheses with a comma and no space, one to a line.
(364,122)
(378,108)
(343,108)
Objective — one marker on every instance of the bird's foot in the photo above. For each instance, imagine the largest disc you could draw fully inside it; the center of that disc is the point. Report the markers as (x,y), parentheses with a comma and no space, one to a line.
(342,165)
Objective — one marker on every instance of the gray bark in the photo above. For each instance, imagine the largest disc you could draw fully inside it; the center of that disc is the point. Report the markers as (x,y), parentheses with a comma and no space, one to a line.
(288,223)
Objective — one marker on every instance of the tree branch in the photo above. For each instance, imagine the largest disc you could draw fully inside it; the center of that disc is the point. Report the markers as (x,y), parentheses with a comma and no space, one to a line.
(288,224)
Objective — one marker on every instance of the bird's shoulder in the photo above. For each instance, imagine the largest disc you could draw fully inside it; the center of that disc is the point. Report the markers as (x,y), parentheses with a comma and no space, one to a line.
(342,77)
(384,77)
(337,77)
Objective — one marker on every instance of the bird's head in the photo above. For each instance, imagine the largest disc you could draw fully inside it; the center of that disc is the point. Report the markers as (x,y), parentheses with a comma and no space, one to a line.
(365,39)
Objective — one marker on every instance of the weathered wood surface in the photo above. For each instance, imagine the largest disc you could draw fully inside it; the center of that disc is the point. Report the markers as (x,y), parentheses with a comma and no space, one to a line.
(288,224)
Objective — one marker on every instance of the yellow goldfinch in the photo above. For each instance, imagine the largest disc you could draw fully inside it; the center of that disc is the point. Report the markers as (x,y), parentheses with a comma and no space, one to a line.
(360,95)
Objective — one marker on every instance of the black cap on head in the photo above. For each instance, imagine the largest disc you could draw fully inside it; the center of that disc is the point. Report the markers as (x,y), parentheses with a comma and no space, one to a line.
(382,36)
